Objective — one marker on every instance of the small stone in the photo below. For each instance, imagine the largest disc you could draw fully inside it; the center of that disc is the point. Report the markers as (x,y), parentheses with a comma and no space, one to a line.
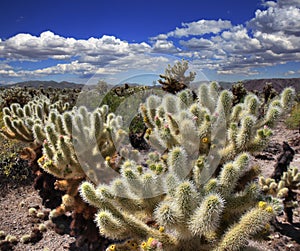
(276,236)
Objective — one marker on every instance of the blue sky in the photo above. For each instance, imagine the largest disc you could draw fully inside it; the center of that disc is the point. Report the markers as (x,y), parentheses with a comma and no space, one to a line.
(84,41)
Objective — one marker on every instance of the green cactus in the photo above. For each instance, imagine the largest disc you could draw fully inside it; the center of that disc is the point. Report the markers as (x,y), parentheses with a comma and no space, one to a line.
(284,189)
(196,191)
(20,121)
(198,185)
(190,124)
(56,129)
(190,215)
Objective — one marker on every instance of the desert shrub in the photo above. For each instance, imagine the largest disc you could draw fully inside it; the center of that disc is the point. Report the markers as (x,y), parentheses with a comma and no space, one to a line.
(269,92)
(293,121)
(12,168)
(239,92)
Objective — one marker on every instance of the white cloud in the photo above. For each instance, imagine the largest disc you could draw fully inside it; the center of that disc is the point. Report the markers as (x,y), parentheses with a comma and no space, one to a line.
(243,71)
(285,18)
(272,37)
(83,69)
(269,3)
(74,67)
(164,46)
(290,73)
(200,27)
(4,66)
(197,44)
(237,40)
(48,45)
(160,37)
(282,3)
(278,41)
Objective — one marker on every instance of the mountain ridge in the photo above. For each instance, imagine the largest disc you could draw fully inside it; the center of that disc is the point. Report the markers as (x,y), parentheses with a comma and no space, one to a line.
(44,84)
(250,84)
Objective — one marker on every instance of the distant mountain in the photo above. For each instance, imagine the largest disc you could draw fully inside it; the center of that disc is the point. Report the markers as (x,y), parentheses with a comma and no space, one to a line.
(224,85)
(278,83)
(258,84)
(252,84)
(45,84)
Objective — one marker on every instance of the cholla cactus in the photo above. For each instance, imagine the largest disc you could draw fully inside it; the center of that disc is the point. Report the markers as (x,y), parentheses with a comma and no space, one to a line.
(77,144)
(284,189)
(179,201)
(269,92)
(239,92)
(57,129)
(19,121)
(74,140)
(175,79)
(23,95)
(9,96)
(212,121)
(191,216)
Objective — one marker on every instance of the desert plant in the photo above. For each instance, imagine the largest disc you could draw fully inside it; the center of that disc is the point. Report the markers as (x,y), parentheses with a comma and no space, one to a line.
(239,92)
(23,95)
(293,121)
(269,92)
(56,132)
(284,189)
(12,167)
(189,194)
(72,144)
(174,79)
(19,121)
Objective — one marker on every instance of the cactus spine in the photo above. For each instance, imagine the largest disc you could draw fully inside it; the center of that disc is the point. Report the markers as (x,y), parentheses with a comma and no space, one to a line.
(197,194)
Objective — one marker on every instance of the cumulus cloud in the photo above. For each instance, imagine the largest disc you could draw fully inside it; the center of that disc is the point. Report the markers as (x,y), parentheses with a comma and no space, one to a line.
(243,71)
(4,66)
(49,45)
(84,69)
(74,67)
(282,17)
(159,37)
(200,27)
(237,40)
(105,55)
(272,37)
(269,3)
(197,44)
(282,3)
(164,46)
(288,73)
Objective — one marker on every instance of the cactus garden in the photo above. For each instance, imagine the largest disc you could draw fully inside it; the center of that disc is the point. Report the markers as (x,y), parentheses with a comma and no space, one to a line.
(204,168)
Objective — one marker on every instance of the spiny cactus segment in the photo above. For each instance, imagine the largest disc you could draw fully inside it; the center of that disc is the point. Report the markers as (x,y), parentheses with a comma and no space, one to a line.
(195,186)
